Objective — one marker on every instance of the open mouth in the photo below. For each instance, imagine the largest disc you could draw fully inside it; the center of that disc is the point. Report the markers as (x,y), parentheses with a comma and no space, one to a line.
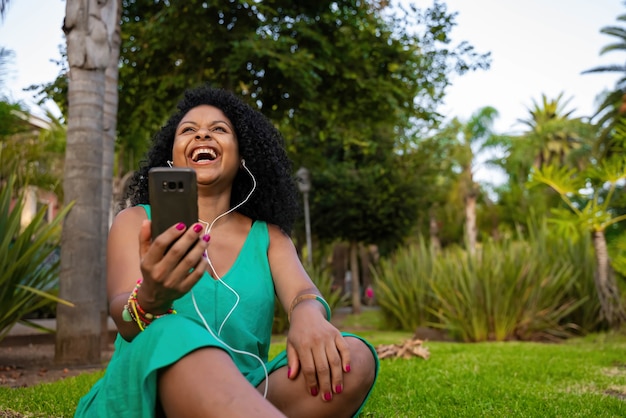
(203,154)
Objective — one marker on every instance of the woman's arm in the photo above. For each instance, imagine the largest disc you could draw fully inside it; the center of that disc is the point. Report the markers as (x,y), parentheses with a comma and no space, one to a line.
(123,265)
(163,265)
(314,346)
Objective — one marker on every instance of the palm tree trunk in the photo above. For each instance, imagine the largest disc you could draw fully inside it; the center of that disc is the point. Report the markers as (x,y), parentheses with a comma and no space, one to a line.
(435,242)
(470,222)
(355,281)
(108,155)
(88,32)
(608,292)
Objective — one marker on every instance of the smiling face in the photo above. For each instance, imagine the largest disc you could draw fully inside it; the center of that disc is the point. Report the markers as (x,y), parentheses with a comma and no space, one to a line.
(205,141)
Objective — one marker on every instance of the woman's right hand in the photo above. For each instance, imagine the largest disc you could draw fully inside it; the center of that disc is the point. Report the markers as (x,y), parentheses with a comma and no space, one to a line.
(171,264)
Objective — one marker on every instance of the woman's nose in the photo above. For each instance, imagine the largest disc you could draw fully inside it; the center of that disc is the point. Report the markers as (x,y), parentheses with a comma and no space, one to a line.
(203,134)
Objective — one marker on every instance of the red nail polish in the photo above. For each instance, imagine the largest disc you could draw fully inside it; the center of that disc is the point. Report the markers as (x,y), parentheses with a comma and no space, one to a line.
(347,368)
(328,396)
(314,391)
(338,388)
(180,226)
(197,228)
(206,238)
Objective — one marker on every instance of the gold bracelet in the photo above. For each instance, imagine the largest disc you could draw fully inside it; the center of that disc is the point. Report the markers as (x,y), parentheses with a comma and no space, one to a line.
(306,296)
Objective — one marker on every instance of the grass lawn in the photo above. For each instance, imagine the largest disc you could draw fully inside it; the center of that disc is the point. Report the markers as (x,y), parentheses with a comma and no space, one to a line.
(583,377)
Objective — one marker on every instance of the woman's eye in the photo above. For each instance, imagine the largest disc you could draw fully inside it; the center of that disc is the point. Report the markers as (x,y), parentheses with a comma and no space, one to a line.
(186,129)
(219,128)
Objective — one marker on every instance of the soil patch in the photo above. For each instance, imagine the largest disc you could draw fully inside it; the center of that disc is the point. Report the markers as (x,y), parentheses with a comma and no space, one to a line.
(32,364)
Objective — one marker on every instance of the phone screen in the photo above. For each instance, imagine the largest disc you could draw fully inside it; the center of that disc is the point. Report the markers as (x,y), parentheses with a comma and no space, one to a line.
(173,198)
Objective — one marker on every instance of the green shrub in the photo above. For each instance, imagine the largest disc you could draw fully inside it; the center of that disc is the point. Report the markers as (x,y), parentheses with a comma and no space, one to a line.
(403,286)
(580,254)
(28,279)
(508,290)
(535,288)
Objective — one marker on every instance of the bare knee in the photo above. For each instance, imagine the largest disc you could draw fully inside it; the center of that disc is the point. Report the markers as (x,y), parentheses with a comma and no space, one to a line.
(293,398)
(362,373)
(207,383)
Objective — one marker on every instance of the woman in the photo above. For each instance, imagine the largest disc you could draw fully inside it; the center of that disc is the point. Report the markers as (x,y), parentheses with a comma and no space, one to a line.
(195,321)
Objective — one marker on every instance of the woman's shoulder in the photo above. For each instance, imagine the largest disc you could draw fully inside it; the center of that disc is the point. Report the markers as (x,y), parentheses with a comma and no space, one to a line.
(134,215)
(277,236)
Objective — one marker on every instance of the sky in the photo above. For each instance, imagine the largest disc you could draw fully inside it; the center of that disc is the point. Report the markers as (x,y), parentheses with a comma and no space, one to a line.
(537,47)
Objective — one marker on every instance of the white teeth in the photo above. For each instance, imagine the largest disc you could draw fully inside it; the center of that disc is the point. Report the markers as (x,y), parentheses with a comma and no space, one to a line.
(199,151)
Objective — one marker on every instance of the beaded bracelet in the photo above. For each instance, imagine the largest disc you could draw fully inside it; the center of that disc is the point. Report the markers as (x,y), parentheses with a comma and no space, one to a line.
(306,296)
(133,312)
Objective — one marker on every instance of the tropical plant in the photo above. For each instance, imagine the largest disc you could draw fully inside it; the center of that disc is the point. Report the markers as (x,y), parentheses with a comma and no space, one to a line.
(472,137)
(594,188)
(5,56)
(28,269)
(613,104)
(38,145)
(553,135)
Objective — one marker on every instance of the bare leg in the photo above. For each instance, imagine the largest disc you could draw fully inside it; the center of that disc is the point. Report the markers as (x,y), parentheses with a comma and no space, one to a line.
(294,400)
(206,383)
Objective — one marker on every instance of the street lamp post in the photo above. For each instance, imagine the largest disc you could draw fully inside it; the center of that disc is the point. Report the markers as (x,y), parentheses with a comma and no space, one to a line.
(304,184)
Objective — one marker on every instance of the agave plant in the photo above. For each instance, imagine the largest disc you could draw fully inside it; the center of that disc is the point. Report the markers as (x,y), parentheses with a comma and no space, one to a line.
(28,271)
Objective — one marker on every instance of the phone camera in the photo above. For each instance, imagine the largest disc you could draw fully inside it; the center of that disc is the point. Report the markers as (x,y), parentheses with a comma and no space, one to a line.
(172,186)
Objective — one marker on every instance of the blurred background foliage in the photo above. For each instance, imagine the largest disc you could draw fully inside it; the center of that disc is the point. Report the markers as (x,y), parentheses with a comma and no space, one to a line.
(356,88)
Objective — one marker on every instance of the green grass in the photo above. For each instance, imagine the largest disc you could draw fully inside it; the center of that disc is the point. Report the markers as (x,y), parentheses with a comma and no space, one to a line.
(505,379)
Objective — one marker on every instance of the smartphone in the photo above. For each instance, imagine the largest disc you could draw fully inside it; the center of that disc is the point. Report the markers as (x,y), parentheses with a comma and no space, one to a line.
(173,197)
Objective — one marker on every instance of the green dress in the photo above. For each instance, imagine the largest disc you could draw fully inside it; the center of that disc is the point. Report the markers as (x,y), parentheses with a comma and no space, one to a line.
(241,321)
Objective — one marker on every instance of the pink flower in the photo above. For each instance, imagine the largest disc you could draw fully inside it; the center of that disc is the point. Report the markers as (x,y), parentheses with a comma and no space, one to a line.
(369,292)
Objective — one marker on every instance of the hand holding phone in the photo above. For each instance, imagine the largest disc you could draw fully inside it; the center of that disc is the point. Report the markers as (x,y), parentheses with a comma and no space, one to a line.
(173,197)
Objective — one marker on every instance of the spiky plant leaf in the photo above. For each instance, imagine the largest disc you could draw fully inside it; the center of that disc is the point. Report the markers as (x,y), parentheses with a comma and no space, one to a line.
(28,275)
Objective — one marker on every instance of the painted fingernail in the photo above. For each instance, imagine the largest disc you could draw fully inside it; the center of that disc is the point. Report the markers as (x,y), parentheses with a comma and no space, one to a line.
(180,226)
(328,396)
(288,372)
(338,388)
(314,391)
(347,369)
(197,228)
(206,238)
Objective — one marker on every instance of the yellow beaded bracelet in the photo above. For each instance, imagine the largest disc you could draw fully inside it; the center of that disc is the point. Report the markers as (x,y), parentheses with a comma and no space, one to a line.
(306,296)
(133,312)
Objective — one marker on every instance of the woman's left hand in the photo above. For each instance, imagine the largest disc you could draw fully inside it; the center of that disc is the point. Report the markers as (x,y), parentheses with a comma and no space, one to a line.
(316,349)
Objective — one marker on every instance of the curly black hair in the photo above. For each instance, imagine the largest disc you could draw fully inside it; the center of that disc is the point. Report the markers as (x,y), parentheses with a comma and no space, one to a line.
(275,199)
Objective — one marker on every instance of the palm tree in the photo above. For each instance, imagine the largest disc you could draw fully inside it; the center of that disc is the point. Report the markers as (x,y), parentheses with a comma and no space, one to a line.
(592,213)
(3,6)
(472,136)
(5,55)
(613,104)
(90,28)
(553,135)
